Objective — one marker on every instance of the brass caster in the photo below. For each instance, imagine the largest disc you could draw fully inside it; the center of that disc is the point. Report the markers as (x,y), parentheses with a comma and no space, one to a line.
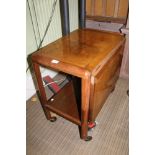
(89,138)
(53,119)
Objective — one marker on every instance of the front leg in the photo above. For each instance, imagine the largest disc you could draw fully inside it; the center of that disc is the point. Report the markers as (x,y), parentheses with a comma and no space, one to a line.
(85,107)
(42,94)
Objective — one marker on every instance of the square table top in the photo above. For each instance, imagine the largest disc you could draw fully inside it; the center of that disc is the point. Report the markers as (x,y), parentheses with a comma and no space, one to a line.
(83,48)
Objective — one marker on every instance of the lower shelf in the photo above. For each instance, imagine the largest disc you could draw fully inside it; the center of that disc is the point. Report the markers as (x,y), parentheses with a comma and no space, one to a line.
(64,104)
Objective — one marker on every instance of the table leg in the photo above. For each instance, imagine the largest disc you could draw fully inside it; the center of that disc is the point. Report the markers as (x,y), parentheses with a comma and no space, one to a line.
(85,108)
(42,94)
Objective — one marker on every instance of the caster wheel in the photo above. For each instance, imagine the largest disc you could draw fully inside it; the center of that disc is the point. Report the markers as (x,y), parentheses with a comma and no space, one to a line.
(91,125)
(89,138)
(53,119)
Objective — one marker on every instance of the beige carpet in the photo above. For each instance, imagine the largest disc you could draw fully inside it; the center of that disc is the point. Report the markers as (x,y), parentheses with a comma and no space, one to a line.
(110,137)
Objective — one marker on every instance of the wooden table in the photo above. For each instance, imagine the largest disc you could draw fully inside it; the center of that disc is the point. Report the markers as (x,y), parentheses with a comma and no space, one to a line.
(92,56)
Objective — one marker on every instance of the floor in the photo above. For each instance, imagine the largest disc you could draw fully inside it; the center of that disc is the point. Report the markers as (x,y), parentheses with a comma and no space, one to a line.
(110,136)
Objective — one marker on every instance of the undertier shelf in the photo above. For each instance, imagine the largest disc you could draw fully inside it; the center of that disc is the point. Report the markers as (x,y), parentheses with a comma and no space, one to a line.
(64,104)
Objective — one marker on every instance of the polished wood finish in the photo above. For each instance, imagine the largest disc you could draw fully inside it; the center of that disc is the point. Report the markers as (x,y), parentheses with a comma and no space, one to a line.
(42,94)
(76,52)
(85,105)
(93,56)
(104,82)
(64,104)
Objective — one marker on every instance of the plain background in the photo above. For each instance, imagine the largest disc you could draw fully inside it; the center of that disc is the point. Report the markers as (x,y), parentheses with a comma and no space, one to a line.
(13,77)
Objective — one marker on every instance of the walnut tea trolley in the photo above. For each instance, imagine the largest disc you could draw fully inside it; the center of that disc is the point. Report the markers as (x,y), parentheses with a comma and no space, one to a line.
(93,58)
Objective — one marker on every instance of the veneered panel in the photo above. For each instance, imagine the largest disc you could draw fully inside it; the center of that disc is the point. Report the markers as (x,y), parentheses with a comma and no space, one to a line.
(104,83)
